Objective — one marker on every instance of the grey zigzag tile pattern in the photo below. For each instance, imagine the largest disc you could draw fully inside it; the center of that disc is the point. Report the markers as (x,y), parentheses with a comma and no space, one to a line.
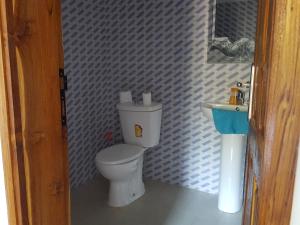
(140,45)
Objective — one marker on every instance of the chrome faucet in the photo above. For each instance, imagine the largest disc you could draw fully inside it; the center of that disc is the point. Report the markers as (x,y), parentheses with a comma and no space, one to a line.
(246,86)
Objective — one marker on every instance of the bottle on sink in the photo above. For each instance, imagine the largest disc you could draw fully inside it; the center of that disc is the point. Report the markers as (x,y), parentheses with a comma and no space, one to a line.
(236,96)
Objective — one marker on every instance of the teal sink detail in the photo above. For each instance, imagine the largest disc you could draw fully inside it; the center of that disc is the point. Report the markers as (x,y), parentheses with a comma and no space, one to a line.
(230,122)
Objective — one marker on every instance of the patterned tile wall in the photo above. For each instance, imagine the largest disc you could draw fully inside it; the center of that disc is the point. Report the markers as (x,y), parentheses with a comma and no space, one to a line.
(138,45)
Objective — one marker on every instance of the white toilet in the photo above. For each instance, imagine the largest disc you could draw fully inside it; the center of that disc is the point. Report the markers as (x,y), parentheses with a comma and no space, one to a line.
(122,164)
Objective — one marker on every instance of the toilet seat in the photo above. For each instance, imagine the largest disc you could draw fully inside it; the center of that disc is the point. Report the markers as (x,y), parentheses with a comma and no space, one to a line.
(119,154)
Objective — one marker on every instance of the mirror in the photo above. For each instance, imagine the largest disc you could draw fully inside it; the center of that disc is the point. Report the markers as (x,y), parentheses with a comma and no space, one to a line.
(232,30)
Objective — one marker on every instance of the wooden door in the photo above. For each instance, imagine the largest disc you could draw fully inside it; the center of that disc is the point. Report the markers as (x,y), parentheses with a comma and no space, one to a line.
(34,148)
(275,115)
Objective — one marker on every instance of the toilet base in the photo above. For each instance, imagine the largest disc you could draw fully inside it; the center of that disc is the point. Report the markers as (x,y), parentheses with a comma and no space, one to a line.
(123,193)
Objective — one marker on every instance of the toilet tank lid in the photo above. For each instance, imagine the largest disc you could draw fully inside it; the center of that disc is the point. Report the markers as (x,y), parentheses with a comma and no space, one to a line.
(128,106)
(120,153)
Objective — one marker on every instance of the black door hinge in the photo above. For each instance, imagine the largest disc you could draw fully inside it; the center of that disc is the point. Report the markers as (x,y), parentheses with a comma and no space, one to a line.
(63,88)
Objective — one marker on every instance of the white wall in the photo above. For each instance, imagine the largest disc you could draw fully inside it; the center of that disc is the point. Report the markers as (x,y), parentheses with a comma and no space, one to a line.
(295,219)
(3,206)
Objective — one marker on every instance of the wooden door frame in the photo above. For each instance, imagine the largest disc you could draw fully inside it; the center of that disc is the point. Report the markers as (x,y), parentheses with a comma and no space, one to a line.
(10,123)
(10,118)
(13,29)
(275,130)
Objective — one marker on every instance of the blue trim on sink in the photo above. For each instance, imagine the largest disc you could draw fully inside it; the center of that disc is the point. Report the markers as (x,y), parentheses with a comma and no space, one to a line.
(231,122)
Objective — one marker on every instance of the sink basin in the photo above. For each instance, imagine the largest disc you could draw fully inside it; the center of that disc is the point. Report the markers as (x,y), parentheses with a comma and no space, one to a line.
(232,161)
(206,108)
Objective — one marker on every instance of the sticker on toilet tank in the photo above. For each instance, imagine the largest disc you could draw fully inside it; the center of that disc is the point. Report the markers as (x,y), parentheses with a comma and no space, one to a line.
(138,130)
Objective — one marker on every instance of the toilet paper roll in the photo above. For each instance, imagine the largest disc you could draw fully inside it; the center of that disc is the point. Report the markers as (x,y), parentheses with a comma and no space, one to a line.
(147,98)
(125,96)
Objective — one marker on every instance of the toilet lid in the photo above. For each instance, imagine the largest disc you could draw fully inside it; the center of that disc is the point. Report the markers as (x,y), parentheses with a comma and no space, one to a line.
(118,154)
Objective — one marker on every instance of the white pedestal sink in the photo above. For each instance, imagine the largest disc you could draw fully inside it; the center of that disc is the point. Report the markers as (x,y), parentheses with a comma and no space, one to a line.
(232,162)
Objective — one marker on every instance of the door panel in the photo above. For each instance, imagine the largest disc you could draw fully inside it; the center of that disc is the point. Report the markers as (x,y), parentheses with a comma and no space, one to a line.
(34,36)
(248,190)
(275,130)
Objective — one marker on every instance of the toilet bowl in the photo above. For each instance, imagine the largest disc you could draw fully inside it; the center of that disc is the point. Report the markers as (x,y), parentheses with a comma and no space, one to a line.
(122,164)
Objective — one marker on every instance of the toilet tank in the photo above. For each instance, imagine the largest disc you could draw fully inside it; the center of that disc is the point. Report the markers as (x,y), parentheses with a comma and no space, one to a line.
(140,124)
